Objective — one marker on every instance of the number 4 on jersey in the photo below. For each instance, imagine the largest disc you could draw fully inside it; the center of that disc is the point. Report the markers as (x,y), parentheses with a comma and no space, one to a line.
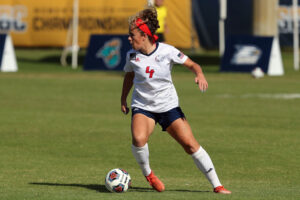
(151,72)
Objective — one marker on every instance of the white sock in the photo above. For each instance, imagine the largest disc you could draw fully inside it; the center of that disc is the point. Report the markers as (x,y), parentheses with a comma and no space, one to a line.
(204,163)
(141,155)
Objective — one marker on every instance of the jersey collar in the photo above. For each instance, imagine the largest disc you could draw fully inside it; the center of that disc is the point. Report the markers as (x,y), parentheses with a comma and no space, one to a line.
(157,44)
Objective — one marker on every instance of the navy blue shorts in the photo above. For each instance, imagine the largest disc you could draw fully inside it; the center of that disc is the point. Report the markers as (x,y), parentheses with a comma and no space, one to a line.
(165,119)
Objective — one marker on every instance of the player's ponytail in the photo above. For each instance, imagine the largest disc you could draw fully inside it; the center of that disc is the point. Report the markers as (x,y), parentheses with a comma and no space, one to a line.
(149,15)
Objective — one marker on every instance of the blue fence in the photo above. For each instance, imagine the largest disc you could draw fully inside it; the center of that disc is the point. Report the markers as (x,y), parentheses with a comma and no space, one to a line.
(239,20)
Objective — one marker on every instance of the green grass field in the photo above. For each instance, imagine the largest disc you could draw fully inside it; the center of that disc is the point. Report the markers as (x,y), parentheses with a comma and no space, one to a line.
(62,131)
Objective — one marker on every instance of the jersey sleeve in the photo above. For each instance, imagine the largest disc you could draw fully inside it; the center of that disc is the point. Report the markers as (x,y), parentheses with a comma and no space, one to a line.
(128,66)
(177,56)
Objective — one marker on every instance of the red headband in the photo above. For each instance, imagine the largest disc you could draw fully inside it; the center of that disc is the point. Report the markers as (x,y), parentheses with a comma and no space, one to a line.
(143,27)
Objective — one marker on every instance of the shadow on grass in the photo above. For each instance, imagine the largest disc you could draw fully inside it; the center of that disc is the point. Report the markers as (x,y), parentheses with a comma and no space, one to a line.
(102,188)
(96,187)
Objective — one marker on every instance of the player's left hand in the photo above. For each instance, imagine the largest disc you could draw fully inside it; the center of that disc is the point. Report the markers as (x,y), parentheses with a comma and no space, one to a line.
(201,82)
(124,109)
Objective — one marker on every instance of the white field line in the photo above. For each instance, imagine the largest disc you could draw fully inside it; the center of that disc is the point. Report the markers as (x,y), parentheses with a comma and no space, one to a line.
(263,96)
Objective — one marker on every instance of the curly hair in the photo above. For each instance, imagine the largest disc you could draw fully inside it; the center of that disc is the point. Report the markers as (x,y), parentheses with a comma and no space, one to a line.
(149,16)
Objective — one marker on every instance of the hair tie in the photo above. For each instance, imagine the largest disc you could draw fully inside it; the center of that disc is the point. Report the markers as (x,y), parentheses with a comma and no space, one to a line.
(143,27)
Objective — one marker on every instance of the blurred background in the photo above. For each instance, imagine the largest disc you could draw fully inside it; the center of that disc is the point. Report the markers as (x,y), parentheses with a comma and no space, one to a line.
(191,25)
(61,128)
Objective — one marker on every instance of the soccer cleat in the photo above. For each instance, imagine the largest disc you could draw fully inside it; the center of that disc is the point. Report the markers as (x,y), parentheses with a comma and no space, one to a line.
(155,182)
(221,190)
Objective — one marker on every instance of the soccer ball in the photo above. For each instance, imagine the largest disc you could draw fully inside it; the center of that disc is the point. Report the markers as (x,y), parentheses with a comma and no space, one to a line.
(117,180)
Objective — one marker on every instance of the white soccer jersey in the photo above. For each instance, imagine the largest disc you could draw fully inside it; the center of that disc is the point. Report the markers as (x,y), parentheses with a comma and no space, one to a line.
(153,87)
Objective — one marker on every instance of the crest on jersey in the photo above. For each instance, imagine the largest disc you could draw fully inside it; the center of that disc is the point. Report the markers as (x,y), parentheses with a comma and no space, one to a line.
(160,58)
(110,53)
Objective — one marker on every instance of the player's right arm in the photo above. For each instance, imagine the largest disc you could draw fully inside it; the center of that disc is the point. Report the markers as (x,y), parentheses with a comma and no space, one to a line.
(127,85)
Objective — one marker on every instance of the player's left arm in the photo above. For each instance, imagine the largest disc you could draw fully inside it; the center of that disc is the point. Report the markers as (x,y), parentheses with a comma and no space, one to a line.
(200,79)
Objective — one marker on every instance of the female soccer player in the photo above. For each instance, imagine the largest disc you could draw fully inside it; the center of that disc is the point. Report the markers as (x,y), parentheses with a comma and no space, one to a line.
(154,99)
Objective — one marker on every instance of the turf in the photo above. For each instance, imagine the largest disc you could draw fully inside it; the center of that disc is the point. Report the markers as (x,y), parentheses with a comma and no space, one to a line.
(62,131)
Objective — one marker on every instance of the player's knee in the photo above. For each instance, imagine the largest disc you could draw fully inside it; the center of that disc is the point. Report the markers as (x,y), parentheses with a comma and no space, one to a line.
(139,141)
(190,149)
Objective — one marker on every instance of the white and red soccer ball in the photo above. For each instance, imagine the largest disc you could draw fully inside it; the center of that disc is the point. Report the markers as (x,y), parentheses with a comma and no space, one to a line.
(117,180)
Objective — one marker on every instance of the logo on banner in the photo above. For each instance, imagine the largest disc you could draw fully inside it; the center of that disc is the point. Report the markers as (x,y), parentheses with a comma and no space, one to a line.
(246,55)
(110,53)
(11,18)
(285,19)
